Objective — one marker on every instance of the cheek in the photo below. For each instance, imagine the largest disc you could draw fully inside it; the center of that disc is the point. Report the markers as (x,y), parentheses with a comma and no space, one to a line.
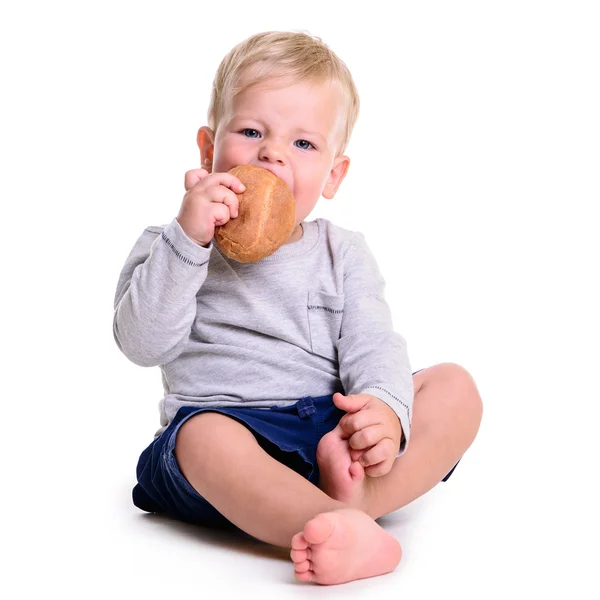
(315,179)
(229,154)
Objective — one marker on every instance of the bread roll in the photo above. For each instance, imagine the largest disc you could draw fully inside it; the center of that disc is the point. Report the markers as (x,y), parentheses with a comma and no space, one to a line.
(266,217)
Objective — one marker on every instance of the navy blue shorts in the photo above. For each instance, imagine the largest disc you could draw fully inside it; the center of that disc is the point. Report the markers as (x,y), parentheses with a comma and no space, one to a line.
(288,433)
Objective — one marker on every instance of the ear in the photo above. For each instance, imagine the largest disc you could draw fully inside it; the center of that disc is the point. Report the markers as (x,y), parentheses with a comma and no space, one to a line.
(336,176)
(206,142)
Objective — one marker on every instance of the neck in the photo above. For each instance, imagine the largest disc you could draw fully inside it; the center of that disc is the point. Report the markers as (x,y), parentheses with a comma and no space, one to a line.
(296,235)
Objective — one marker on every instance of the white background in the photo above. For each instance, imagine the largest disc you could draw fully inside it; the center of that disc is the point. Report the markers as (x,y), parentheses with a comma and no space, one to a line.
(475,179)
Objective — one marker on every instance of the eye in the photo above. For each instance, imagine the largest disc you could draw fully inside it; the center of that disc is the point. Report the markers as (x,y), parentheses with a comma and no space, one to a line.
(304,147)
(252,131)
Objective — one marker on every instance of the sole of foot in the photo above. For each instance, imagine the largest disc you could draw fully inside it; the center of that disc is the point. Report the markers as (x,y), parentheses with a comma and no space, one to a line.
(341,546)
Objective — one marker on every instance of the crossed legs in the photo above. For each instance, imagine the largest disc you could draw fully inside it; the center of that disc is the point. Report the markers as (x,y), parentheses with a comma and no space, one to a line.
(223,461)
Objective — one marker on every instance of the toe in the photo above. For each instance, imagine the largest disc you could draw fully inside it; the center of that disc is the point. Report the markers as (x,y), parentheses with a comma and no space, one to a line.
(305,576)
(299,542)
(326,446)
(357,471)
(319,529)
(299,556)
(302,567)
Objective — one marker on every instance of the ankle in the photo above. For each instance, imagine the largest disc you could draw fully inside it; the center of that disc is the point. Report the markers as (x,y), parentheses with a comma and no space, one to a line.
(369,503)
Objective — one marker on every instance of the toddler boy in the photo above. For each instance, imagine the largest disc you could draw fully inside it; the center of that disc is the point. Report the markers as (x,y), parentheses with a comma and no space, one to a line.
(288,403)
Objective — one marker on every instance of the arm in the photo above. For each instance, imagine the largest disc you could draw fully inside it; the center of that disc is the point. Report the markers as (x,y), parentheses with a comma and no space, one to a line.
(373,358)
(155,300)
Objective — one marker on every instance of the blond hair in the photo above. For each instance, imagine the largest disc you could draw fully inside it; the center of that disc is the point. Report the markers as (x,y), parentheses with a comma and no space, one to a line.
(282,53)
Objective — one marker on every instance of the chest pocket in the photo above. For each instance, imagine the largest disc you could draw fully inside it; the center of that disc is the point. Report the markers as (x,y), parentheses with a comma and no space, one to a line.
(325,313)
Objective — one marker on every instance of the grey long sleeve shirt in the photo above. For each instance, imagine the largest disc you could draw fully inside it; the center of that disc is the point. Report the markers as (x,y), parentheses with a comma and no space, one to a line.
(309,320)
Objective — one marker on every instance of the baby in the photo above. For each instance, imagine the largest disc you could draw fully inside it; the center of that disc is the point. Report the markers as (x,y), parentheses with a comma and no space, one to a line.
(288,405)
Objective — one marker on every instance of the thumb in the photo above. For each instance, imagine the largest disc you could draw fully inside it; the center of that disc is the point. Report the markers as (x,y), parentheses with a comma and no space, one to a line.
(352,403)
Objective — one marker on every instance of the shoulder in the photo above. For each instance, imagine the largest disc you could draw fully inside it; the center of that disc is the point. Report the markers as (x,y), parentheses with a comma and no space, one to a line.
(338,239)
(352,249)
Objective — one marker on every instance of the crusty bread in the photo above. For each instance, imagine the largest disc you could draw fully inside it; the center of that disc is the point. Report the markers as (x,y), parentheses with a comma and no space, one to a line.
(266,219)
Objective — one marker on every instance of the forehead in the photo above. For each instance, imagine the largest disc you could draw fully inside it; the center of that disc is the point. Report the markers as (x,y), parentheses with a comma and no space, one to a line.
(312,102)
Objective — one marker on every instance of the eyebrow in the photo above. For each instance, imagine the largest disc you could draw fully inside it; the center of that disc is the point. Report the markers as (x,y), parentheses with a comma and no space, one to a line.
(315,133)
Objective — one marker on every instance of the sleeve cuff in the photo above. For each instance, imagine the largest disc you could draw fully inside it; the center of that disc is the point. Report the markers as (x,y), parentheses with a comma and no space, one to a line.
(401,408)
(184,248)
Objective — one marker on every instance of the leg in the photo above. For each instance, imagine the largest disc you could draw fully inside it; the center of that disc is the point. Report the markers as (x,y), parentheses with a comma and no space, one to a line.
(224,463)
(447,412)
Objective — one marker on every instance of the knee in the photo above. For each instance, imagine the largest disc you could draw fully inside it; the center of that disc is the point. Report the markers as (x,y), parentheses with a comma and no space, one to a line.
(464,395)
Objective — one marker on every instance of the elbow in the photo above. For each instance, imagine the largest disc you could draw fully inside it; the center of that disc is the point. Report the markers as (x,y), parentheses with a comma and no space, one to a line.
(143,353)
(134,352)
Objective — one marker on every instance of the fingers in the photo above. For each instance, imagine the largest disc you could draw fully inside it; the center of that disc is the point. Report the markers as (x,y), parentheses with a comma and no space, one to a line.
(352,403)
(356,454)
(367,437)
(353,422)
(210,200)
(379,459)
(220,214)
(220,195)
(217,190)
(376,470)
(383,468)
(195,176)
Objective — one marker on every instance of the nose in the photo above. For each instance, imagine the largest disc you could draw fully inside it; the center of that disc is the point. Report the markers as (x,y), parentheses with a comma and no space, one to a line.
(271,151)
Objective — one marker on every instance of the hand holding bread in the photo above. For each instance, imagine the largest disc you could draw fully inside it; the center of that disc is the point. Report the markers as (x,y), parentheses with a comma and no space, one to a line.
(210,200)
(267,216)
(260,203)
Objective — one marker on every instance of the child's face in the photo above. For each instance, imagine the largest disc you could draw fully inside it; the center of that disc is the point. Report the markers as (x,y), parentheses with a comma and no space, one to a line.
(291,129)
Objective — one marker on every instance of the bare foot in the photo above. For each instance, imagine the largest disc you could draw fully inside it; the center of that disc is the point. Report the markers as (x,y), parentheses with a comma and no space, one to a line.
(341,478)
(343,545)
